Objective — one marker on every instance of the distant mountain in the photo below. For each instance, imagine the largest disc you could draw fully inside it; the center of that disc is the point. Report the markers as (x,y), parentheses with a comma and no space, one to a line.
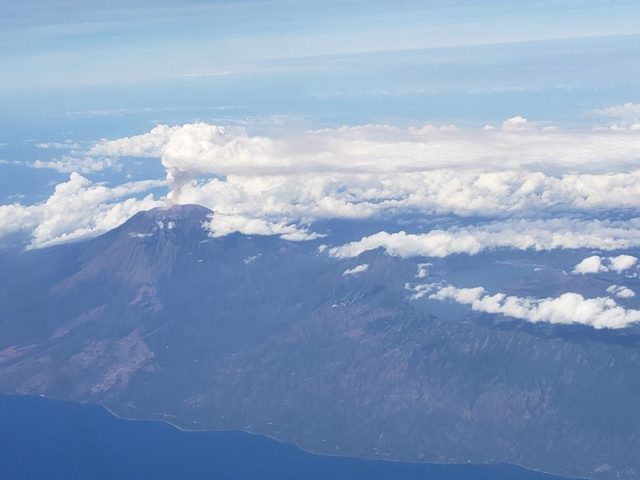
(156,319)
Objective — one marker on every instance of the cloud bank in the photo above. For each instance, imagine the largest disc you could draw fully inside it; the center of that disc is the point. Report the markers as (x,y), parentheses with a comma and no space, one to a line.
(278,185)
(352,172)
(518,234)
(201,148)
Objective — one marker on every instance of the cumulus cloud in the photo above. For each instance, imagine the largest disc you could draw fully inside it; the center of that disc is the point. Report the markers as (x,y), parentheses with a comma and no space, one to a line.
(515,124)
(356,270)
(146,145)
(598,264)
(220,225)
(519,234)
(622,262)
(592,264)
(195,149)
(568,308)
(621,291)
(77,209)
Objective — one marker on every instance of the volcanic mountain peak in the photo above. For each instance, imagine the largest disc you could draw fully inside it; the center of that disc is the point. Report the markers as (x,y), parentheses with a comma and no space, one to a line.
(144,247)
(176,212)
(179,224)
(167,218)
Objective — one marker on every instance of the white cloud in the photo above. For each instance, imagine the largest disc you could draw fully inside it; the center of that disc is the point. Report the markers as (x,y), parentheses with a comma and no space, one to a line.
(515,124)
(423,270)
(592,264)
(15,217)
(364,169)
(220,225)
(621,291)
(568,308)
(77,209)
(146,145)
(622,262)
(205,148)
(518,234)
(419,290)
(309,196)
(356,270)
(597,264)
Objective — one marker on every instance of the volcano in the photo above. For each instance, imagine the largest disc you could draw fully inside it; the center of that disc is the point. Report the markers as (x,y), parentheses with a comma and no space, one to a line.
(157,319)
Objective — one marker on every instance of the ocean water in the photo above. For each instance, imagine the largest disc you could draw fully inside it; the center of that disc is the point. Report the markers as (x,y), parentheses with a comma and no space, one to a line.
(47,439)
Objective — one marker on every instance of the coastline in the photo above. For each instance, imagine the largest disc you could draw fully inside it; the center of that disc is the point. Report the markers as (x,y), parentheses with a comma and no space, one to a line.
(281,441)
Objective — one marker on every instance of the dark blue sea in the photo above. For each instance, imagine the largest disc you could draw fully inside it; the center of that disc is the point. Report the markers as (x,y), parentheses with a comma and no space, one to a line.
(46,439)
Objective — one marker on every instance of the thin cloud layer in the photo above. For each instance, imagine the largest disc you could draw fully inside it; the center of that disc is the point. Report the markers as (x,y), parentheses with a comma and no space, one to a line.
(83,165)
(568,308)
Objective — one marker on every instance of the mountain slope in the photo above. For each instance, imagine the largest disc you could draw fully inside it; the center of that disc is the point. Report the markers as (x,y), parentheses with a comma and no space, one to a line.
(155,319)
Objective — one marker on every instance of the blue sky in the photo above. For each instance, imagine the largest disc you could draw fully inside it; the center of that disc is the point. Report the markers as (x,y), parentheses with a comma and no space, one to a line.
(76,72)
(443,60)
(62,56)
(53,43)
